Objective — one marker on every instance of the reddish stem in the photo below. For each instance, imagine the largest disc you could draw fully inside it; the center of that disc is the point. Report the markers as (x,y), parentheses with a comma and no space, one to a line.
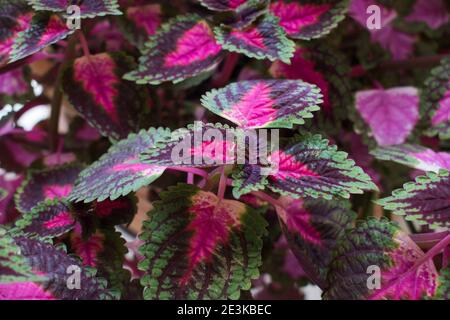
(224,76)
(222,183)
(190,178)
(195,171)
(84,43)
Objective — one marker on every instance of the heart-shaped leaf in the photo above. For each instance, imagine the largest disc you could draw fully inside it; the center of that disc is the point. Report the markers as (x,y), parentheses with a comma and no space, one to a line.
(198,246)
(94,86)
(264,103)
(15,16)
(309,20)
(119,172)
(414,156)
(391,114)
(88,9)
(435,100)
(312,228)
(198,145)
(46,184)
(426,200)
(379,246)
(309,167)
(182,48)
(264,40)
(43,30)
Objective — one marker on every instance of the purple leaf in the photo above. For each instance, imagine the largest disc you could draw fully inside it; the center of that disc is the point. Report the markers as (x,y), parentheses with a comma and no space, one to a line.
(391,114)
(198,246)
(264,40)
(414,156)
(222,5)
(426,200)
(13,84)
(46,184)
(43,30)
(398,43)
(435,100)
(8,187)
(248,178)
(140,22)
(322,66)
(51,219)
(264,103)
(53,263)
(88,9)
(14,17)
(198,145)
(309,167)
(182,48)
(433,12)
(94,86)
(308,20)
(312,228)
(120,172)
(383,245)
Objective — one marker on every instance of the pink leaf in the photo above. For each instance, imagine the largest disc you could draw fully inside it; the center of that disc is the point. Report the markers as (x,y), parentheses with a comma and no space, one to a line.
(23,291)
(442,114)
(399,44)
(433,12)
(391,114)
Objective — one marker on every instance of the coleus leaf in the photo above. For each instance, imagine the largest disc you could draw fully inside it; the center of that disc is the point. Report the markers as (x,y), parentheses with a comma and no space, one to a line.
(198,145)
(384,245)
(14,88)
(8,187)
(14,17)
(119,172)
(248,12)
(43,30)
(308,20)
(263,40)
(319,64)
(182,48)
(443,291)
(94,86)
(140,22)
(309,167)
(424,201)
(435,100)
(432,12)
(88,9)
(52,263)
(46,184)
(105,250)
(264,103)
(49,220)
(312,228)
(414,156)
(13,267)
(198,246)
(223,5)
(248,178)
(391,114)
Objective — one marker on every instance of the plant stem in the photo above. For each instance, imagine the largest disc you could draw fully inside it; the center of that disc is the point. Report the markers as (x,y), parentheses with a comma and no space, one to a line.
(222,183)
(190,178)
(274,202)
(84,43)
(441,245)
(58,95)
(195,171)
(227,71)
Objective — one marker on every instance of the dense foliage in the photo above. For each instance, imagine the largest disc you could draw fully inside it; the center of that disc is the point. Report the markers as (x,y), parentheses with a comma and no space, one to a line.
(153,107)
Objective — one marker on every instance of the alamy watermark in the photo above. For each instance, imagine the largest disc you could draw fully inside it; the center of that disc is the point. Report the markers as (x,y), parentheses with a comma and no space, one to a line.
(221,146)
(73,16)
(74,279)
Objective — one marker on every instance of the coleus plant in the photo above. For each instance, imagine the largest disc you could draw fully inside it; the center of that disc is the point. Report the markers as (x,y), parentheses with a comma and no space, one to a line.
(163,113)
